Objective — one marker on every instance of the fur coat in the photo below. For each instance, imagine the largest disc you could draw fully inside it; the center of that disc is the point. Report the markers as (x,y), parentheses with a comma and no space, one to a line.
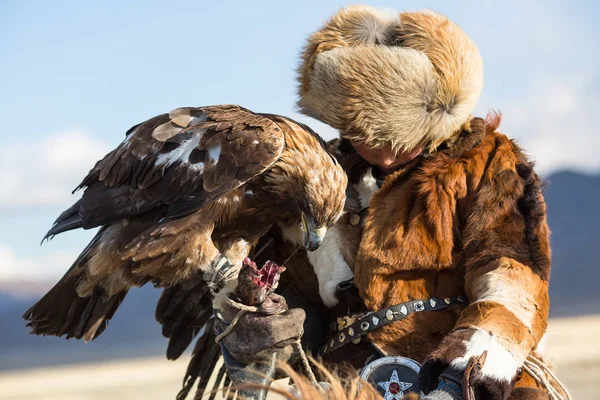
(466,220)
(470,220)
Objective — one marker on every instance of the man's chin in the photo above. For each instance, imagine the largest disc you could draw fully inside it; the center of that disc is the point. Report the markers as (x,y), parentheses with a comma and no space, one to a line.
(403,159)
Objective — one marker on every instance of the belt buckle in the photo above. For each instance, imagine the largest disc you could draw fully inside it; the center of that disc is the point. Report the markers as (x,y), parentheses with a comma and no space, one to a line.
(393,377)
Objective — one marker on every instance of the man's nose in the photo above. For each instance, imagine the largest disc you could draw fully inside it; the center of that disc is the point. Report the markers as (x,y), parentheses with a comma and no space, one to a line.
(387,160)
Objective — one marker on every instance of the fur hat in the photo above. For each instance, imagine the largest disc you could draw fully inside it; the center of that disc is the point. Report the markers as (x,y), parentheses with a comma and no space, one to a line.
(406,80)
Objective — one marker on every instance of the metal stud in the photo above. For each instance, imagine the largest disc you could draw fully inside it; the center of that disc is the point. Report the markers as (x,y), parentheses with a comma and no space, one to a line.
(331,343)
(432,302)
(447,300)
(356,340)
(364,325)
(389,315)
(351,332)
(355,219)
(419,306)
(375,320)
(403,310)
(342,337)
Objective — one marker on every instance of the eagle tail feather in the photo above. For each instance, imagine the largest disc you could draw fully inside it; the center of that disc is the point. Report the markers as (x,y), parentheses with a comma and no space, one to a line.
(62,312)
(183,334)
(202,364)
(183,313)
(207,370)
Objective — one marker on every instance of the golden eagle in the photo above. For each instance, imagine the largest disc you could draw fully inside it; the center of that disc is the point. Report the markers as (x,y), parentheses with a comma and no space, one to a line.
(183,192)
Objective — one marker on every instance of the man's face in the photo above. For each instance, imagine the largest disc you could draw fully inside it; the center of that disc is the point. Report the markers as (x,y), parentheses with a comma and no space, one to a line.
(384,157)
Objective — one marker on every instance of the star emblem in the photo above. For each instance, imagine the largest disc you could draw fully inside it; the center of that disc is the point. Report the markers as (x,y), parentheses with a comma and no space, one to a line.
(394,388)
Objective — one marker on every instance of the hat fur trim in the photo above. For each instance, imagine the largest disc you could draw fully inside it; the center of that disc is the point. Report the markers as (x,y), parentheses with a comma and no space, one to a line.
(404,80)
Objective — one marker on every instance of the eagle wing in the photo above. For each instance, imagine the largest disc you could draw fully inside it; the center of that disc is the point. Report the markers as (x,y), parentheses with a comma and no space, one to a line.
(176,162)
(170,165)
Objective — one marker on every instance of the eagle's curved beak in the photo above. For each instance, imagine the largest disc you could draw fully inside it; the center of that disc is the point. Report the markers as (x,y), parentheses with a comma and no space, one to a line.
(313,235)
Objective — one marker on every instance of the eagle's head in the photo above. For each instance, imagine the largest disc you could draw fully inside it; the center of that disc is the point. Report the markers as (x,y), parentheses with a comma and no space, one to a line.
(309,186)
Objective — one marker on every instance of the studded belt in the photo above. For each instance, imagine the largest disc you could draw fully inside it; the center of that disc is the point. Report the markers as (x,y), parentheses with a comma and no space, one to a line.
(351,328)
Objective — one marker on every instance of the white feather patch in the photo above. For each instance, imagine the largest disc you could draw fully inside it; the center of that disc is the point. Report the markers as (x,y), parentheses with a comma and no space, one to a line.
(214,152)
(500,364)
(129,136)
(329,266)
(181,153)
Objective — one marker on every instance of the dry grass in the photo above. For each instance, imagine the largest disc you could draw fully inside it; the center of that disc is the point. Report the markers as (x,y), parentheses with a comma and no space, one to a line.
(572,345)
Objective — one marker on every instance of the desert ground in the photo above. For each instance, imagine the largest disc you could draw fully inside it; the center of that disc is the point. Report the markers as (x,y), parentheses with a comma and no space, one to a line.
(572,346)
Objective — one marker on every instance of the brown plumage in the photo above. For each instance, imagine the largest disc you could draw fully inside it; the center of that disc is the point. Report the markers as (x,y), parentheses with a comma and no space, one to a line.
(180,190)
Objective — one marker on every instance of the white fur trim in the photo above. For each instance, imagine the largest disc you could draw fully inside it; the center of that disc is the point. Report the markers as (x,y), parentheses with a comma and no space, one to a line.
(500,364)
(366,187)
(542,345)
(497,287)
(330,266)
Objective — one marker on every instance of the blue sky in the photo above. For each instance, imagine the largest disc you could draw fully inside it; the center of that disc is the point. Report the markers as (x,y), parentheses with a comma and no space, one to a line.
(74,76)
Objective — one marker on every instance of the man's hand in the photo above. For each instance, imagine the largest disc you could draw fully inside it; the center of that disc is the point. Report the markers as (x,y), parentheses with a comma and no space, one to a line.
(257,336)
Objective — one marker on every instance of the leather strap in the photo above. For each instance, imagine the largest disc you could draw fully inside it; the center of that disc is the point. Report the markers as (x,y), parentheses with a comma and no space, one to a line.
(371,321)
(220,266)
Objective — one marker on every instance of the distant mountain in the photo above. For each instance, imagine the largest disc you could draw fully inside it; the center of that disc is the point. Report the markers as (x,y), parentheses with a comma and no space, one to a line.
(133,332)
(573,216)
(574,219)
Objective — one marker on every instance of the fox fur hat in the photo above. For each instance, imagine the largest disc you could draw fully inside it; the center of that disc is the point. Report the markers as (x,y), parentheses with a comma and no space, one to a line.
(387,79)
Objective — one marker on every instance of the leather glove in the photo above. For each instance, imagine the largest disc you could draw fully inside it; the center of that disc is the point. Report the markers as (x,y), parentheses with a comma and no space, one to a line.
(449,387)
(454,384)
(257,335)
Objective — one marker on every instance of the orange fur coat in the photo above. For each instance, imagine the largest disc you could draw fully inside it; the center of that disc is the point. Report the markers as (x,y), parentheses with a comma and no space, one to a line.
(470,220)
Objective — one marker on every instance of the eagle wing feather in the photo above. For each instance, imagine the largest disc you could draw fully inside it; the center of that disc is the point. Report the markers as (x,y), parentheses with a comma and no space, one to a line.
(181,160)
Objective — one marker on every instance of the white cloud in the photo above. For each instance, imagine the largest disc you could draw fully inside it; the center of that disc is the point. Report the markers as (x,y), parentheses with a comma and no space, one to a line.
(544,79)
(51,266)
(555,122)
(43,172)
